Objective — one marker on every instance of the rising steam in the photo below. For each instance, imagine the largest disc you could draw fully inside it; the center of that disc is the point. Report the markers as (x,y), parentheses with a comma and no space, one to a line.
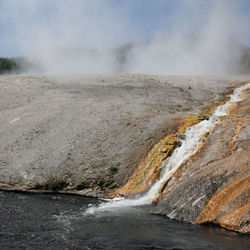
(103,36)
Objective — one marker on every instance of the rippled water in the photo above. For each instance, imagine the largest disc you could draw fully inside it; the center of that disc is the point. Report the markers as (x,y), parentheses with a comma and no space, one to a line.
(58,222)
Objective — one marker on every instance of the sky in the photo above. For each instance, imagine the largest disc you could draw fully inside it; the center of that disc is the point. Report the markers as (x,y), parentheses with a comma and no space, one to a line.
(40,28)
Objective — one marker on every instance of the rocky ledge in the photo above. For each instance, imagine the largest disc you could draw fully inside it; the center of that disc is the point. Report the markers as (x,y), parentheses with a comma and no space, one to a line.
(213,185)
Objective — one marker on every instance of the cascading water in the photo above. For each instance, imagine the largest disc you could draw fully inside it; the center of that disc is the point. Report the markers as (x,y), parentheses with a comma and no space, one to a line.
(189,146)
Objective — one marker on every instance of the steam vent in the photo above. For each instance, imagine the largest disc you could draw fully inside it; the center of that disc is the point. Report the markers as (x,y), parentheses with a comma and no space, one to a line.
(179,142)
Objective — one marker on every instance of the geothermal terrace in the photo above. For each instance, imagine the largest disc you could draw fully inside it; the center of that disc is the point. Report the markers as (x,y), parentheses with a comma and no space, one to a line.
(88,135)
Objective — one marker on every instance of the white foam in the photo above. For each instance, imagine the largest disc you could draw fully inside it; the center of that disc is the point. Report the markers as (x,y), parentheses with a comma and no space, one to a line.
(189,146)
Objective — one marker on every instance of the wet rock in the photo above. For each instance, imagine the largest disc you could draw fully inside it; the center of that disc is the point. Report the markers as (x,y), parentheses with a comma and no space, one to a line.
(213,185)
(181,137)
(230,207)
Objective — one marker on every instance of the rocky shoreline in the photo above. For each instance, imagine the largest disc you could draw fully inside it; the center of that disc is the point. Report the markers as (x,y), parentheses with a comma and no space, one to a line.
(88,135)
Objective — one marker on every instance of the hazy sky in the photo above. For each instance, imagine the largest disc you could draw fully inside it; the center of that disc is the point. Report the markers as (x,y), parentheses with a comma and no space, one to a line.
(38,28)
(98,23)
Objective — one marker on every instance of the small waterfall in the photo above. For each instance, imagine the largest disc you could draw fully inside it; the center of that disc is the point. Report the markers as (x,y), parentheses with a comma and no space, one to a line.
(189,146)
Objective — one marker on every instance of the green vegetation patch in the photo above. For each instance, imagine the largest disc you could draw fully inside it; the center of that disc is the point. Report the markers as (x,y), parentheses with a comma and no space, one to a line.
(8,65)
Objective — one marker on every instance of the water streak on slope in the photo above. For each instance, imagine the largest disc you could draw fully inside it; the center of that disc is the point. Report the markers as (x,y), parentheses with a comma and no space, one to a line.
(189,145)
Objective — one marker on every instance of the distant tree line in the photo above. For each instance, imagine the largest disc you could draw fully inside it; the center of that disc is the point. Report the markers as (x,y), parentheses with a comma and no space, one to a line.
(8,65)
(17,65)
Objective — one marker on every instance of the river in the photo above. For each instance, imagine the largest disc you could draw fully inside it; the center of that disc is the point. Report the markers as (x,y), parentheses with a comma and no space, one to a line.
(46,221)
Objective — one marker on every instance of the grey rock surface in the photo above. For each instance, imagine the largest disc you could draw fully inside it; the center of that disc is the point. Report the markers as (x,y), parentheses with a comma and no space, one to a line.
(213,185)
(91,132)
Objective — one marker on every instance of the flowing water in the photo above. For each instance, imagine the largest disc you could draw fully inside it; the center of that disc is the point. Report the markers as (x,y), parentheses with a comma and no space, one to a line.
(30,221)
(74,222)
(191,143)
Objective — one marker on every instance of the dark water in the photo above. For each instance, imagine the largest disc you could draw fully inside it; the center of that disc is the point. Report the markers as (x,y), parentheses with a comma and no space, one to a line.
(58,222)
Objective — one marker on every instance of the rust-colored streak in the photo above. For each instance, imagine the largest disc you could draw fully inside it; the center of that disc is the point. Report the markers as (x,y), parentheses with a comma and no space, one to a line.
(149,170)
(238,220)
(234,142)
(218,209)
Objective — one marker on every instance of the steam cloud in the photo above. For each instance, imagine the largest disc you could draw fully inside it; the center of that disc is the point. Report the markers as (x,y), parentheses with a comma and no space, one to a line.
(101,36)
